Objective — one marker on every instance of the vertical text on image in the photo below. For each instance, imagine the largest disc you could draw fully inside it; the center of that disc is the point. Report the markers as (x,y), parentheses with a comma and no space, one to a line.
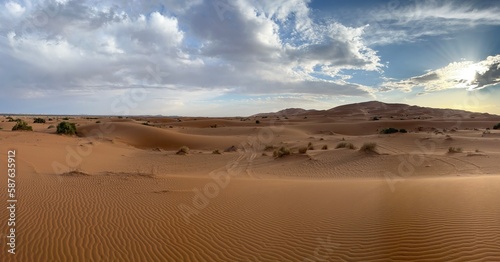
(11,201)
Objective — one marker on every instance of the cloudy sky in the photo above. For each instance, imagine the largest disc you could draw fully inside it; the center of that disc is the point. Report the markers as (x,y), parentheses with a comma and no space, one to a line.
(240,57)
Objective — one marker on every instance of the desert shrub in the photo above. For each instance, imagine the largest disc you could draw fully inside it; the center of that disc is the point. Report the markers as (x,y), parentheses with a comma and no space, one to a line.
(257,121)
(389,130)
(216,152)
(65,118)
(325,147)
(402,130)
(345,145)
(282,151)
(454,150)
(13,120)
(66,128)
(97,122)
(22,126)
(368,147)
(302,150)
(51,126)
(39,120)
(497,126)
(183,150)
(268,147)
(375,118)
(310,146)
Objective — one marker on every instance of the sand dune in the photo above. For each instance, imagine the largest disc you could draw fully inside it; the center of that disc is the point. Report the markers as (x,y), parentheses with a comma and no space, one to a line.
(150,137)
(126,195)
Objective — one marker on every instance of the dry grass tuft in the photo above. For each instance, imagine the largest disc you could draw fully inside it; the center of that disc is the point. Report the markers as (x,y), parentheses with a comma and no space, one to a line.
(345,145)
(281,152)
(369,147)
(184,150)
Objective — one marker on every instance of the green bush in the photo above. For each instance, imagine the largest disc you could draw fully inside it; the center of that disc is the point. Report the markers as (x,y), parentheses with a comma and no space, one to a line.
(39,120)
(497,126)
(389,130)
(22,126)
(66,128)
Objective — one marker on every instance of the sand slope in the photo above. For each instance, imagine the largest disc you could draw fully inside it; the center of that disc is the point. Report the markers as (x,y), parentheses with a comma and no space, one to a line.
(127,195)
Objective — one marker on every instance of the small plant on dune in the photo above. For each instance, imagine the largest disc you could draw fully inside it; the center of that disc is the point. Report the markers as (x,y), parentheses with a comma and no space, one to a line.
(268,147)
(257,121)
(369,147)
(455,150)
(183,150)
(310,146)
(65,118)
(325,147)
(345,145)
(97,122)
(497,126)
(10,119)
(216,152)
(303,150)
(22,126)
(402,130)
(389,130)
(282,151)
(39,120)
(66,128)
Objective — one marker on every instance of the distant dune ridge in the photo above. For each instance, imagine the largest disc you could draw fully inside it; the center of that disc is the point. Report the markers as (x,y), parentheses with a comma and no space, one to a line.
(344,190)
(376,108)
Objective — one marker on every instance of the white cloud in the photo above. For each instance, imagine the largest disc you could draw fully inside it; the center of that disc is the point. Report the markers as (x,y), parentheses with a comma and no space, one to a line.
(400,21)
(248,46)
(14,8)
(464,74)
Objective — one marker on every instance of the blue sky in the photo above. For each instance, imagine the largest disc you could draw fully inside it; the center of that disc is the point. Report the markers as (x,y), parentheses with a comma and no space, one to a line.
(226,58)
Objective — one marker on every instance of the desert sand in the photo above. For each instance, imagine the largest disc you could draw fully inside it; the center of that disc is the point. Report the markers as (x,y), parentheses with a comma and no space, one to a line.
(118,190)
